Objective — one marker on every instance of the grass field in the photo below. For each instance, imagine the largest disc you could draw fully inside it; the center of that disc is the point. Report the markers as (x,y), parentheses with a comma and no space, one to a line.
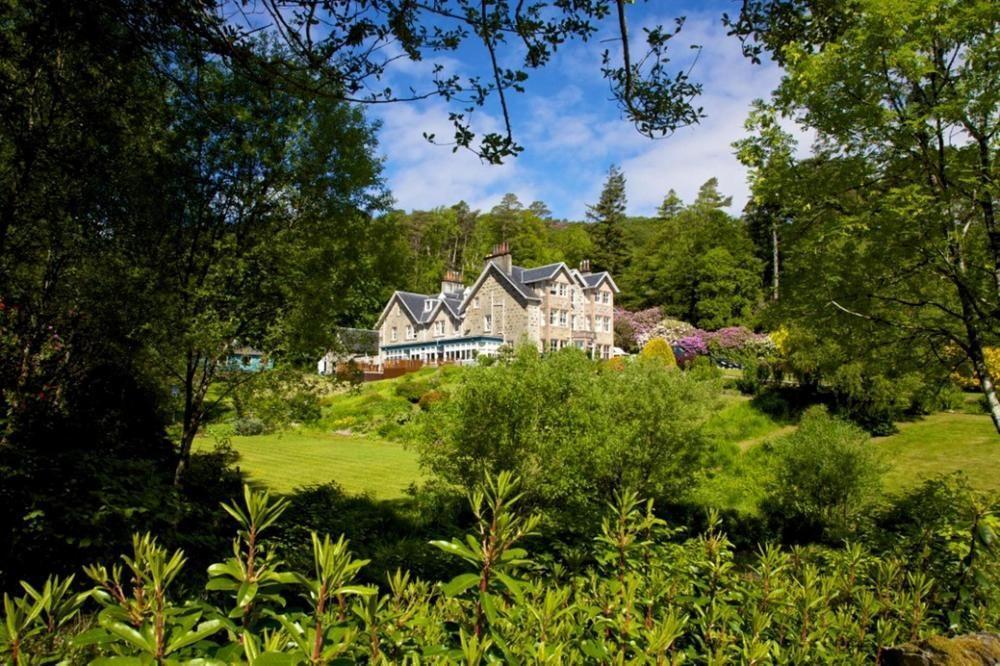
(943,443)
(288,460)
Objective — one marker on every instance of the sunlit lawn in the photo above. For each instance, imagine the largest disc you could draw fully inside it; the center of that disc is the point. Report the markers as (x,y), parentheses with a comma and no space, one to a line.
(943,443)
(359,464)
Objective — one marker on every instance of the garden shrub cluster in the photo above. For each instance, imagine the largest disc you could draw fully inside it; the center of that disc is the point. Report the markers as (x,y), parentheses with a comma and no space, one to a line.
(275,398)
(591,429)
(650,596)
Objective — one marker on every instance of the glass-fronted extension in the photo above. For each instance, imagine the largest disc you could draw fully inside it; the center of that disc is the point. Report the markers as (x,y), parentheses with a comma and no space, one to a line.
(443,350)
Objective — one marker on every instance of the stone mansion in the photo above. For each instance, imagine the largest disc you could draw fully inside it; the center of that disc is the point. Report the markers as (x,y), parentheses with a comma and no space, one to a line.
(551,306)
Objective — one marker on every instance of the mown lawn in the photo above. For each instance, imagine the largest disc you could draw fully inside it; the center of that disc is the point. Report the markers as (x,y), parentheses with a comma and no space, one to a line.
(939,444)
(284,461)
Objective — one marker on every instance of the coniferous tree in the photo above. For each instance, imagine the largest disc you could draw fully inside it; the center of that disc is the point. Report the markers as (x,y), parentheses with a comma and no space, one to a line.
(608,215)
(672,204)
(709,196)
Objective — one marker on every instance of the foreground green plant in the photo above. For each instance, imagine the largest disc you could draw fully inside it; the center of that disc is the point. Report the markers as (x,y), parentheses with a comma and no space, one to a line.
(649,597)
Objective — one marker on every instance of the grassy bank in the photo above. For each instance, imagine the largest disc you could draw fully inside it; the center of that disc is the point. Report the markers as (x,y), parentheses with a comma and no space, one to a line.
(284,461)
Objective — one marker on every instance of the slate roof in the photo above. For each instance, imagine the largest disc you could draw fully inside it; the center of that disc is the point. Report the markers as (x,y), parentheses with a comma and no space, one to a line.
(516,280)
(529,275)
(594,279)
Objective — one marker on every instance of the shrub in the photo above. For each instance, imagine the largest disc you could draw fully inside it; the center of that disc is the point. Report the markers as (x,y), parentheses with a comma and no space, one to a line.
(825,474)
(588,433)
(278,397)
(660,351)
(645,596)
(248,426)
(412,389)
(429,399)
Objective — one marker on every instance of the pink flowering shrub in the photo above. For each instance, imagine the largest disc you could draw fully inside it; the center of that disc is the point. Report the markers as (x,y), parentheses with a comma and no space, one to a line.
(636,327)
(688,342)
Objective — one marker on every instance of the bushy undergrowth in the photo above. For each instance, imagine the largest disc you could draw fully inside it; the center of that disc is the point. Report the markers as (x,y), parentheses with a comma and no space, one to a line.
(651,596)
(573,430)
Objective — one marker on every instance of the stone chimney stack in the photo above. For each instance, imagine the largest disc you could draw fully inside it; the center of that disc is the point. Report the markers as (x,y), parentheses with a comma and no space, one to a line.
(501,257)
(452,281)
(585,267)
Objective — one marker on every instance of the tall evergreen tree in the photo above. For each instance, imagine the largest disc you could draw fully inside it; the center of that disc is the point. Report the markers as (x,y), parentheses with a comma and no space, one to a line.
(672,204)
(608,215)
(709,196)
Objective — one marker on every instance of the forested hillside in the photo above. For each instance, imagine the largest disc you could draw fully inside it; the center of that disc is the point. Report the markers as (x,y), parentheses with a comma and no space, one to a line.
(696,260)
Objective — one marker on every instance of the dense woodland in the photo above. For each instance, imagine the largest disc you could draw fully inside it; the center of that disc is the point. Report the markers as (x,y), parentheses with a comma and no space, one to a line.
(177,179)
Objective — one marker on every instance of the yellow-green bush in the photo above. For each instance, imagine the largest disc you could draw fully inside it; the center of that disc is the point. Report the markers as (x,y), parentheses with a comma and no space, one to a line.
(659,350)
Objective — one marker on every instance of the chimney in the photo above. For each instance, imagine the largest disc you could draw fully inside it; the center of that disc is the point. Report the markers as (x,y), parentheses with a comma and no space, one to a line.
(452,281)
(585,267)
(501,257)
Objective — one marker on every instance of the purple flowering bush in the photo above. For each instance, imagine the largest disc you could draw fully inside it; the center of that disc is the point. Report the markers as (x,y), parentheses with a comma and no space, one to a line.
(734,343)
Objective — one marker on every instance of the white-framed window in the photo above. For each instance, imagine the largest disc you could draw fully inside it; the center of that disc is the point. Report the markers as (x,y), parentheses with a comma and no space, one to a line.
(562,288)
(439,327)
(605,297)
(553,288)
(553,345)
(562,318)
(392,333)
(607,324)
(428,305)
(553,317)
(410,333)
(487,323)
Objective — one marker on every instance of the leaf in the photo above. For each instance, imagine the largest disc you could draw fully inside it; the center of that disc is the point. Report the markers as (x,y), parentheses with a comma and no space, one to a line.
(246,594)
(92,637)
(126,633)
(489,606)
(274,659)
(117,661)
(221,584)
(454,548)
(360,590)
(203,630)
(511,584)
(459,584)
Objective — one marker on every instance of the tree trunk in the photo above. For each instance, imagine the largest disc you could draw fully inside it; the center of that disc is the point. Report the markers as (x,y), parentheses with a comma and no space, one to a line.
(775,265)
(975,352)
(985,201)
(195,389)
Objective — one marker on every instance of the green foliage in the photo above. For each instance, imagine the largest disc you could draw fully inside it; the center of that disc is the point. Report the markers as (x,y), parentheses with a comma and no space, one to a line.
(248,426)
(275,398)
(891,258)
(826,472)
(699,266)
(648,596)
(660,351)
(590,431)
(607,216)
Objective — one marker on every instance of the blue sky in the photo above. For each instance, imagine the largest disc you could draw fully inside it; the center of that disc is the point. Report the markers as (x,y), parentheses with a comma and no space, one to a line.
(572,131)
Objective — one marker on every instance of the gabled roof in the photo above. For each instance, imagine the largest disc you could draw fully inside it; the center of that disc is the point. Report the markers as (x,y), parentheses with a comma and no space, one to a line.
(513,280)
(547,272)
(594,280)
(453,302)
(413,304)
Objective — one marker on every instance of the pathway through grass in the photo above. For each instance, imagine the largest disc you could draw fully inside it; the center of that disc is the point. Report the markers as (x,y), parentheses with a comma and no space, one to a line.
(284,461)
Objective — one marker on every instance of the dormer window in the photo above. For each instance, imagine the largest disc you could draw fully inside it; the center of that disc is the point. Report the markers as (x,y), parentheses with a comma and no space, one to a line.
(428,305)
